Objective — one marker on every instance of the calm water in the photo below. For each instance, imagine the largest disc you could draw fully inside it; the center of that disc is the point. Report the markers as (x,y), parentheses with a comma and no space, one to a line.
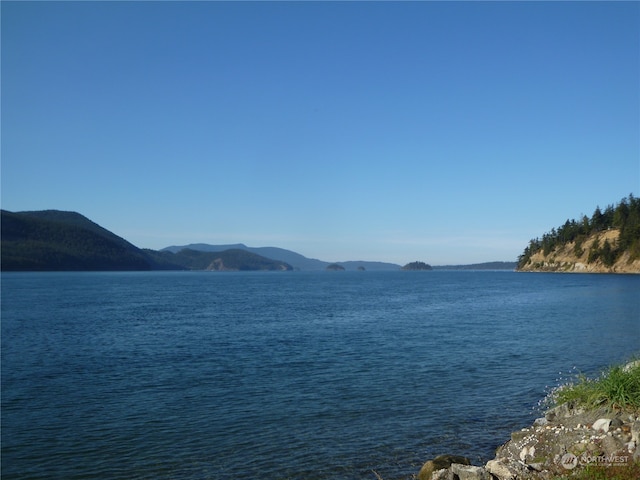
(289,375)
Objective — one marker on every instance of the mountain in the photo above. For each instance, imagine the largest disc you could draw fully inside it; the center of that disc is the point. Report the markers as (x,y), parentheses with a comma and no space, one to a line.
(230,260)
(294,259)
(51,240)
(297,261)
(54,240)
(57,240)
(608,242)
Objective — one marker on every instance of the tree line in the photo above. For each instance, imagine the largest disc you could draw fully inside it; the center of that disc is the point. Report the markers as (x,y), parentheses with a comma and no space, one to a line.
(625,216)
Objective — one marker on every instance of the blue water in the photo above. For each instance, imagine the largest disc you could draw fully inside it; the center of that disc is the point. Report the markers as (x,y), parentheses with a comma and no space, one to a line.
(185,375)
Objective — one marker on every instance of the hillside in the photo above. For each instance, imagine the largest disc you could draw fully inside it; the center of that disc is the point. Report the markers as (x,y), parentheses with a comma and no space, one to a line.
(417,266)
(563,258)
(608,242)
(56,240)
(53,240)
(231,260)
(297,261)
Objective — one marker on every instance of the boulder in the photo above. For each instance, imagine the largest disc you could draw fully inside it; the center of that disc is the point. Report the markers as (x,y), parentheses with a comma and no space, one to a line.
(602,425)
(500,470)
(441,462)
(631,365)
(444,474)
(611,445)
(470,472)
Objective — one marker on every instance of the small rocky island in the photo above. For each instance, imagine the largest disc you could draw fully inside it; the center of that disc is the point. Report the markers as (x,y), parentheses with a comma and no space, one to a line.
(334,267)
(417,266)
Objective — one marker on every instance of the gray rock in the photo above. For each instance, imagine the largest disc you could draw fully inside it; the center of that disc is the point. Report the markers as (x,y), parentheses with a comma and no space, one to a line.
(439,463)
(616,422)
(500,470)
(635,432)
(470,472)
(444,474)
(540,422)
(631,365)
(538,467)
(611,445)
(602,425)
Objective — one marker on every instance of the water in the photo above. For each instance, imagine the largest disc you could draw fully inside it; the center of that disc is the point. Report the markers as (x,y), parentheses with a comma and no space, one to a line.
(185,375)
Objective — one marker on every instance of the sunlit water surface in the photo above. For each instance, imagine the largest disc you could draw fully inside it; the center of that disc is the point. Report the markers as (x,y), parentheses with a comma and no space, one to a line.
(324,375)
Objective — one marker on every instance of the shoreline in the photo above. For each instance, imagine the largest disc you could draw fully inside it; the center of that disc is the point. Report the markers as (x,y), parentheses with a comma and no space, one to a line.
(570,438)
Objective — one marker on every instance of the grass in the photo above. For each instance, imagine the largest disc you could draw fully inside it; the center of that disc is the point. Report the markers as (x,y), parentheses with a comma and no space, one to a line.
(601,472)
(615,389)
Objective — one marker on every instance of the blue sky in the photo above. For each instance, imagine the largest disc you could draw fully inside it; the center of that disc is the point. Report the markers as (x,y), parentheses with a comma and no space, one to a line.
(395,131)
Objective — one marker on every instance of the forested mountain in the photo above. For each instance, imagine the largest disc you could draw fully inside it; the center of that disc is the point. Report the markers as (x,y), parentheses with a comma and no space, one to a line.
(294,259)
(53,240)
(56,240)
(608,241)
(225,261)
(297,261)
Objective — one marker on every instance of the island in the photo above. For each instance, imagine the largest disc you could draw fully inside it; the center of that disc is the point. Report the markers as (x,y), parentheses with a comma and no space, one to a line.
(417,266)
(334,267)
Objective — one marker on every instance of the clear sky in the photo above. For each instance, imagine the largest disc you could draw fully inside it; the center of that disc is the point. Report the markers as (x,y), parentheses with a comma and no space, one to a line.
(395,131)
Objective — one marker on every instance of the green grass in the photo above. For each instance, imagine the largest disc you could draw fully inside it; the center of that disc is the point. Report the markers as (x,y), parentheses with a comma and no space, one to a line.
(600,472)
(615,389)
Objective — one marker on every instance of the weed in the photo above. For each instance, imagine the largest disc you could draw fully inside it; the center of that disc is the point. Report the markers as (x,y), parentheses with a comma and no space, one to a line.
(618,388)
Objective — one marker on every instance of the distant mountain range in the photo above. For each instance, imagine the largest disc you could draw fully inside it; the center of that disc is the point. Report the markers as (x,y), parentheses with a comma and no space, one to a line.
(297,261)
(54,240)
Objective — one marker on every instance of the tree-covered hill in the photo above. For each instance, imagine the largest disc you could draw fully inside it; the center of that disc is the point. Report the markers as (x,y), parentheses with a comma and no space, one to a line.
(52,240)
(417,266)
(607,241)
(227,260)
(56,240)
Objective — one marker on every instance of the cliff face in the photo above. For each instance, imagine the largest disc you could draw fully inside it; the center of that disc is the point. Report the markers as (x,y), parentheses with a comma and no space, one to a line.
(570,257)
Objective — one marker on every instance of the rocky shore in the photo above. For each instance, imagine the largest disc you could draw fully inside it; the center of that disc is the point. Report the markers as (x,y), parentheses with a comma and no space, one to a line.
(567,439)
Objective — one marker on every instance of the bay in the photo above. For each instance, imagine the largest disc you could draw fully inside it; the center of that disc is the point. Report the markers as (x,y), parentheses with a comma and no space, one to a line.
(300,375)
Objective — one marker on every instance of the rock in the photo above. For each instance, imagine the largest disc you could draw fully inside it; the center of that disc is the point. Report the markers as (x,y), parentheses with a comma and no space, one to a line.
(561,411)
(444,474)
(470,472)
(631,365)
(611,446)
(602,424)
(538,467)
(540,422)
(635,432)
(616,422)
(527,452)
(439,463)
(500,470)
